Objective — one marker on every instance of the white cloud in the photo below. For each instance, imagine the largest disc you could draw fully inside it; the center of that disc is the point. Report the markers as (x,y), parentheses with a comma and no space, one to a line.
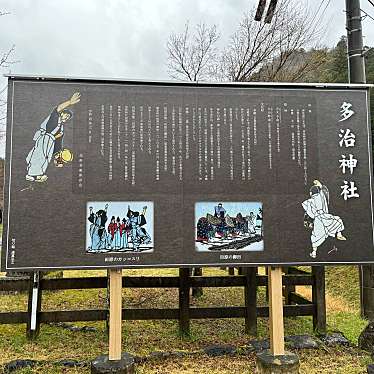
(121,38)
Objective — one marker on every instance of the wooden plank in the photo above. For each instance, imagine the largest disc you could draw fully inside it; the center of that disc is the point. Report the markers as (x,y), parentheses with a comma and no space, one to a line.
(288,310)
(240,312)
(298,299)
(74,283)
(115,314)
(298,310)
(101,282)
(13,317)
(297,280)
(9,285)
(149,282)
(184,301)
(287,288)
(151,314)
(240,280)
(197,291)
(55,316)
(319,298)
(218,281)
(294,280)
(295,270)
(276,311)
(221,312)
(250,300)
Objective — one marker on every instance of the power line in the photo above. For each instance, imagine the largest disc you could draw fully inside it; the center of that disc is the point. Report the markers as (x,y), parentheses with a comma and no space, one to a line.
(317,11)
(371,2)
(320,5)
(324,10)
(367,14)
(320,17)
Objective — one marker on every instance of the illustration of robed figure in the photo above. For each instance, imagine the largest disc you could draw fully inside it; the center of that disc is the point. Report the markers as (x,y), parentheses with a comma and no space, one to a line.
(138,234)
(323,223)
(97,229)
(123,234)
(49,142)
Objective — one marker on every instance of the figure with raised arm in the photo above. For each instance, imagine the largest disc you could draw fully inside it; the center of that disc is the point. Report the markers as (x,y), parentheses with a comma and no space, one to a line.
(318,219)
(49,142)
(138,234)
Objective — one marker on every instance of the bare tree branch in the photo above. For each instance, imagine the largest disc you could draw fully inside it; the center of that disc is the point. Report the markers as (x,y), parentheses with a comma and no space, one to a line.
(259,51)
(5,63)
(256,51)
(5,60)
(193,57)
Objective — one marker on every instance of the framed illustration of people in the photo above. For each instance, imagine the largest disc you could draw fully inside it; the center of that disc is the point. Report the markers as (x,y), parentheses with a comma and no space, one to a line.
(119,226)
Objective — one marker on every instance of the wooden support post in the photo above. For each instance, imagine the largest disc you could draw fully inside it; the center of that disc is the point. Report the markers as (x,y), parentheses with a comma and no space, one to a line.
(318,298)
(250,297)
(107,301)
(184,301)
(288,289)
(116,361)
(276,360)
(231,270)
(34,305)
(197,291)
(115,314)
(276,311)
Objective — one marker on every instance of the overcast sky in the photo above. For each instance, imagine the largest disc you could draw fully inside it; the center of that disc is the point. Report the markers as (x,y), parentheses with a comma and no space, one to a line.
(125,38)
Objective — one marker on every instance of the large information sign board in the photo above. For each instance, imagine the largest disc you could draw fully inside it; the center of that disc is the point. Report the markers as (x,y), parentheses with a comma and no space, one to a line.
(135,174)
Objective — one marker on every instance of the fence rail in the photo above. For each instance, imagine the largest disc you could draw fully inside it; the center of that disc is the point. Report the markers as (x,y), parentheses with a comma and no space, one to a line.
(295,304)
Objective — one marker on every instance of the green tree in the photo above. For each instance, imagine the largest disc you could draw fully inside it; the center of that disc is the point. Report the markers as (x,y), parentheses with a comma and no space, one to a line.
(336,67)
(369,64)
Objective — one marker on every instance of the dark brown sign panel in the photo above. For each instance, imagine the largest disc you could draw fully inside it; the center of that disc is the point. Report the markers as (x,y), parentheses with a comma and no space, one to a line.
(131,174)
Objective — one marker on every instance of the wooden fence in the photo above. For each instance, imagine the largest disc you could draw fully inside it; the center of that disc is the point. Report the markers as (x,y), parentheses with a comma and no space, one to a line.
(295,305)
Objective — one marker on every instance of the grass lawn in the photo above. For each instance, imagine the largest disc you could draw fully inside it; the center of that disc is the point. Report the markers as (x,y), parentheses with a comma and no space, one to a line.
(143,337)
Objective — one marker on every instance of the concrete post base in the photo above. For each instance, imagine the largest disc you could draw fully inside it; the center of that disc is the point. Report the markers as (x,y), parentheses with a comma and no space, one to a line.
(102,365)
(266,363)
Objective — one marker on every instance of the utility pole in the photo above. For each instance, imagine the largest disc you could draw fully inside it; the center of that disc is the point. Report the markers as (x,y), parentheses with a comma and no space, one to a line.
(356,68)
(356,60)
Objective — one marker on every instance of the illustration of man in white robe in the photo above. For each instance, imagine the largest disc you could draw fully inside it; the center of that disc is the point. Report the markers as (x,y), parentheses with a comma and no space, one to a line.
(251,223)
(49,142)
(323,223)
